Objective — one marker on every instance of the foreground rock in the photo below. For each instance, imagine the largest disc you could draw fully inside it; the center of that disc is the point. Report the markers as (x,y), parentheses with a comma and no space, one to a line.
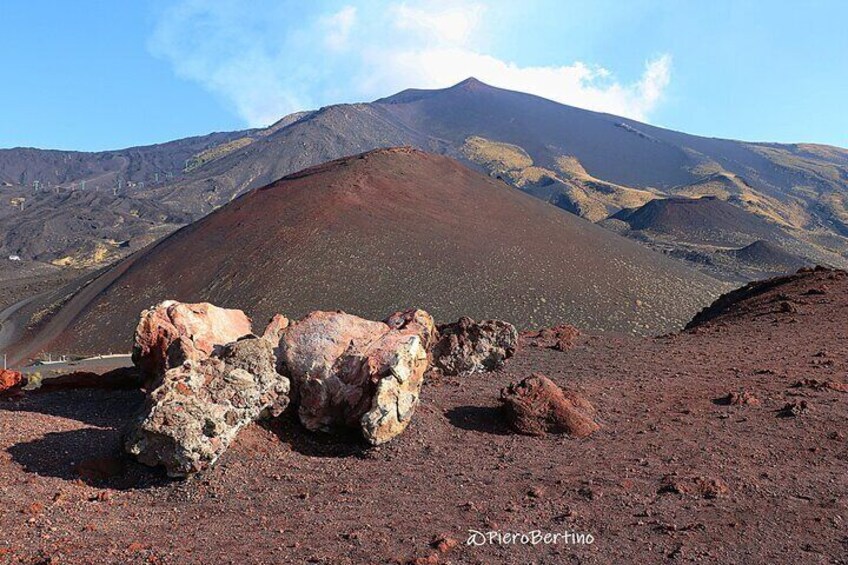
(10,382)
(171,333)
(536,406)
(191,418)
(467,346)
(356,373)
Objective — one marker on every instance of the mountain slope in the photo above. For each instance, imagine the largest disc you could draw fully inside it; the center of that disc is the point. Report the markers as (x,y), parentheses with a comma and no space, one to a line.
(382,231)
(589,163)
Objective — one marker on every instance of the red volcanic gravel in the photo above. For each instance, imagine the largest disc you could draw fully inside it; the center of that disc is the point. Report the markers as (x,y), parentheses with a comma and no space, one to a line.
(671,473)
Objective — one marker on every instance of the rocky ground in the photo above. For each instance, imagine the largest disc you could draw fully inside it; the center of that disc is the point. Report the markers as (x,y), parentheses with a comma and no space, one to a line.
(681,469)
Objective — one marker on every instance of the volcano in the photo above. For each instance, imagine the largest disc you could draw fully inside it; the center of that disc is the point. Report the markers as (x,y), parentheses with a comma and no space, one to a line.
(378,232)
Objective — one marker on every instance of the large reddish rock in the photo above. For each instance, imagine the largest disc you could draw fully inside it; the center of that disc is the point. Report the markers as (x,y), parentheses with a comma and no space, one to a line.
(351,372)
(311,346)
(536,406)
(190,419)
(171,333)
(10,381)
(467,346)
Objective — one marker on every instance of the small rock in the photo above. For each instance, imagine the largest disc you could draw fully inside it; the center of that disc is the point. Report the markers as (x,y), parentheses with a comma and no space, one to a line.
(741,398)
(793,409)
(696,486)
(817,384)
(10,382)
(817,291)
(275,328)
(536,492)
(787,307)
(444,543)
(536,406)
(558,338)
(467,346)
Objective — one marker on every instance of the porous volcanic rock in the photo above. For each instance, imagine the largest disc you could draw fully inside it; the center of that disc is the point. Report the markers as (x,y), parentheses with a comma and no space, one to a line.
(466,346)
(172,332)
(10,381)
(536,406)
(191,418)
(559,338)
(351,372)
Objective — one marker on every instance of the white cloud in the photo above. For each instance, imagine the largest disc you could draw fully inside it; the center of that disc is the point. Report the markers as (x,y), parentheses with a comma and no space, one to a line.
(269,61)
(338,27)
(451,24)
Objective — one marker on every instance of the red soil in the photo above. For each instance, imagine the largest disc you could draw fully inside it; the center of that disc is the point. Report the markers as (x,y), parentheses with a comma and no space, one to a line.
(671,473)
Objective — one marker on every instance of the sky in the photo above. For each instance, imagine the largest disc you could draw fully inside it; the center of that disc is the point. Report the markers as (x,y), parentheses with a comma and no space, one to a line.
(95,75)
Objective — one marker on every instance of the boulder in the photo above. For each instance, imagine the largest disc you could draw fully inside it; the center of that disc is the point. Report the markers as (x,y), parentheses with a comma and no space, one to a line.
(197,410)
(172,333)
(356,373)
(10,382)
(467,346)
(536,406)
(558,338)
(311,346)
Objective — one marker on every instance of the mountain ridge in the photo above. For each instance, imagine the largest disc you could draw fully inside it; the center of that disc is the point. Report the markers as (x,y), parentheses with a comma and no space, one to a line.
(801,186)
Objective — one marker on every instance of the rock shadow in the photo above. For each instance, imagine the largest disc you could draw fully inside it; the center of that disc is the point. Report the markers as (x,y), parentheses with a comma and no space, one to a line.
(340,444)
(96,407)
(92,455)
(486,419)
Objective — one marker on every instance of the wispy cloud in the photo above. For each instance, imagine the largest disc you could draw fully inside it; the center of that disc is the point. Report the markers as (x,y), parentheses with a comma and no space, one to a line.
(269,60)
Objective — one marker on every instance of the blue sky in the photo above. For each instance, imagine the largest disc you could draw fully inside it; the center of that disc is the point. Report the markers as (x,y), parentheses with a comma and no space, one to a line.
(95,75)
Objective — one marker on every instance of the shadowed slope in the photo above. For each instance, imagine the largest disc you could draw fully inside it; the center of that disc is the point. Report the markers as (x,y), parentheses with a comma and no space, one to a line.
(768,256)
(782,296)
(389,230)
